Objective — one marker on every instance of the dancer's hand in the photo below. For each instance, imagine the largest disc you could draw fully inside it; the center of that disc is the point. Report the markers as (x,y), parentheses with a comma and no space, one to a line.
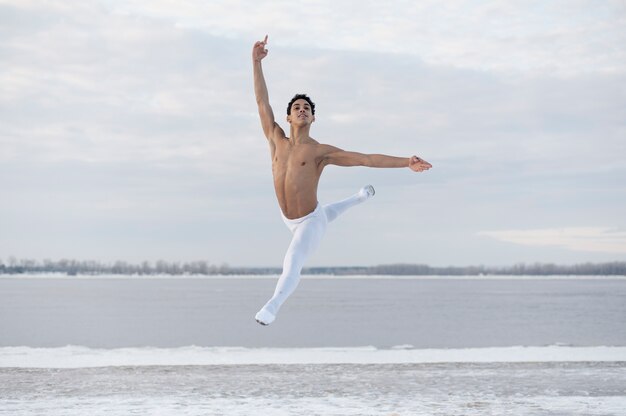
(419,165)
(258,50)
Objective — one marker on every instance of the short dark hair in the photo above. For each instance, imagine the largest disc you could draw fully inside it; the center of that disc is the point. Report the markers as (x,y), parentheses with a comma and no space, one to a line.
(303,97)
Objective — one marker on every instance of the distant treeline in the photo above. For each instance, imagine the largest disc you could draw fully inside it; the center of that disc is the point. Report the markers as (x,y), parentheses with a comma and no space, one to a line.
(91,267)
(535,269)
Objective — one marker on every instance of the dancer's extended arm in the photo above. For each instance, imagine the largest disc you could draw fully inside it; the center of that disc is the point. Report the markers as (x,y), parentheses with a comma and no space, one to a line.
(336,156)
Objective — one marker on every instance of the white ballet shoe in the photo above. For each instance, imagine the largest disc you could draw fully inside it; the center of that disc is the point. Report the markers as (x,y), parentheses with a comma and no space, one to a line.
(367,192)
(264,317)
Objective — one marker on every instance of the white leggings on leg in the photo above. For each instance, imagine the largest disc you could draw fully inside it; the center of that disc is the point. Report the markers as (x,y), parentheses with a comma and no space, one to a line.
(307,233)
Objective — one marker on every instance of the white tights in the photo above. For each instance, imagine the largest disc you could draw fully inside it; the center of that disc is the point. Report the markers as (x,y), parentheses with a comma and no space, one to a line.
(307,233)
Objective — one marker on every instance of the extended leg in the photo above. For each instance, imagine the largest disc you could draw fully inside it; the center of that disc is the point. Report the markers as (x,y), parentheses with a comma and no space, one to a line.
(335,209)
(306,238)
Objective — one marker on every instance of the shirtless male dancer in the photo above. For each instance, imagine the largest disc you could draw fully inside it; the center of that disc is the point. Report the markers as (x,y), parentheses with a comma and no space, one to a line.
(297,164)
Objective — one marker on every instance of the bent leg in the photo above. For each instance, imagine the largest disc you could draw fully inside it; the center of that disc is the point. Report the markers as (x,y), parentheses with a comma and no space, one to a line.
(335,209)
(306,238)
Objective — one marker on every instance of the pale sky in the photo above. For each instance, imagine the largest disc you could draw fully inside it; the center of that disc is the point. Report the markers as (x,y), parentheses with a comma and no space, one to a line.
(128,129)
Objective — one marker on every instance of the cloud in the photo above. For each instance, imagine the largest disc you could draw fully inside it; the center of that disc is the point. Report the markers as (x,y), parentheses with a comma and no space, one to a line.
(594,239)
(160,81)
(561,37)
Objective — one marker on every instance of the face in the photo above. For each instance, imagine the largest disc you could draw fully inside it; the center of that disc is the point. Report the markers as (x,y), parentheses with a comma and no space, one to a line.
(301,113)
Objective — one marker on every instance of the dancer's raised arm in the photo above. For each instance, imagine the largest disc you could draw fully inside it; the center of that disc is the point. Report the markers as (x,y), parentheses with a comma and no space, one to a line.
(260,88)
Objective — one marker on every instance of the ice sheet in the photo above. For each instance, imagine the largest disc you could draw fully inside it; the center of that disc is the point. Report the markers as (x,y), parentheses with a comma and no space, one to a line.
(79,357)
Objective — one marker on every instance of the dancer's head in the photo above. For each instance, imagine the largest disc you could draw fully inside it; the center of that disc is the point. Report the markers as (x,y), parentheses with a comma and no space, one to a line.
(301,97)
(301,110)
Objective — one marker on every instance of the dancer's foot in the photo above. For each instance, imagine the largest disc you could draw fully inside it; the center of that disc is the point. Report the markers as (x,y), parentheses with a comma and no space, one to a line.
(367,192)
(264,317)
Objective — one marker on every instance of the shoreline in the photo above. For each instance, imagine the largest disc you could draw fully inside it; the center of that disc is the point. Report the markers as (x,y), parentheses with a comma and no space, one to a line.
(73,356)
(25,276)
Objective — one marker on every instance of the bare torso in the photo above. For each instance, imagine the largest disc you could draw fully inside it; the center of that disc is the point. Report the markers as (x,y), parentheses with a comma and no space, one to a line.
(296,168)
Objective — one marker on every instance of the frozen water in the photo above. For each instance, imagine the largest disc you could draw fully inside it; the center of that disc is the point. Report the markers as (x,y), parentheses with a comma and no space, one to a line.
(570,389)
